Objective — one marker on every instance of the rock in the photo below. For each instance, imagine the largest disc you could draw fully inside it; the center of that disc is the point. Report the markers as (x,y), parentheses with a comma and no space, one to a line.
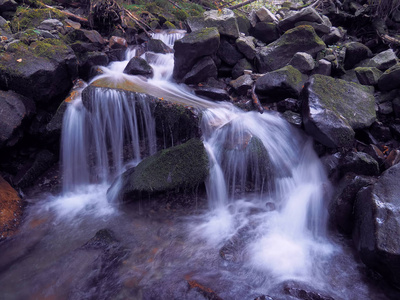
(288,104)
(320,29)
(224,20)
(10,209)
(392,159)
(89,61)
(303,62)
(333,36)
(5,29)
(342,204)
(243,22)
(183,167)
(116,42)
(50,24)
(15,110)
(212,93)
(277,85)
(43,71)
(240,67)
(265,32)
(203,69)
(368,76)
(355,53)
(242,84)
(390,79)
(158,46)
(324,67)
(192,47)
(383,60)
(228,53)
(293,118)
(396,107)
(265,15)
(304,291)
(380,132)
(278,54)
(245,44)
(385,108)
(306,14)
(8,5)
(333,108)
(377,223)
(139,66)
(88,36)
(359,163)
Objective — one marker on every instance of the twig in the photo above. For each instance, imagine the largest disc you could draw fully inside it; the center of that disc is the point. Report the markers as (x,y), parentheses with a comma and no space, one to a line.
(71,16)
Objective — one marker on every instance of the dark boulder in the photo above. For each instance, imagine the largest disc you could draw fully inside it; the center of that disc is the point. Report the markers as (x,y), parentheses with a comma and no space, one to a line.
(192,47)
(306,14)
(205,68)
(274,86)
(278,54)
(265,32)
(242,84)
(368,75)
(138,66)
(333,108)
(240,67)
(212,93)
(15,110)
(228,53)
(390,79)
(245,44)
(359,163)
(377,225)
(383,60)
(88,63)
(303,62)
(117,42)
(355,53)
(158,46)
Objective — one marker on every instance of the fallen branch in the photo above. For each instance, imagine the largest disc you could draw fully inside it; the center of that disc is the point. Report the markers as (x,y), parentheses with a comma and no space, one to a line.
(241,4)
(69,15)
(389,39)
(175,4)
(256,101)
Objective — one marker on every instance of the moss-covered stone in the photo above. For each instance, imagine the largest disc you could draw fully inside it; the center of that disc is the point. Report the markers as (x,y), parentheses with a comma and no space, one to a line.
(368,76)
(180,168)
(30,18)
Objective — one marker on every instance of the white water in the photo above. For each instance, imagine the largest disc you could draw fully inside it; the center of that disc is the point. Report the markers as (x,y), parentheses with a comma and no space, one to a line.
(266,221)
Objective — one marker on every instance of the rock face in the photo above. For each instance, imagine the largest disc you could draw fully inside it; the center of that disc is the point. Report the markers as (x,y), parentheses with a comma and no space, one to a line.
(14,111)
(333,108)
(278,54)
(182,167)
(192,47)
(10,209)
(377,223)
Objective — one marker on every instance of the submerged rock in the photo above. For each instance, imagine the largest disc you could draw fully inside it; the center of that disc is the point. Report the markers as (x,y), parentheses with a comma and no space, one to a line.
(377,225)
(180,168)
(10,209)
(333,108)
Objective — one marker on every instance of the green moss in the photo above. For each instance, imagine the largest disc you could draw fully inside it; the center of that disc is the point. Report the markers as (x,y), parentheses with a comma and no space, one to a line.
(48,48)
(30,18)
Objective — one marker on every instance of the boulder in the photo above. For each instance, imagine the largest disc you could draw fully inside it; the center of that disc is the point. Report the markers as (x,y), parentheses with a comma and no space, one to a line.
(192,47)
(245,44)
(228,53)
(158,46)
(88,63)
(138,66)
(293,118)
(333,108)
(323,67)
(117,42)
(306,14)
(377,225)
(333,36)
(224,20)
(320,29)
(87,36)
(205,68)
(265,31)
(240,67)
(242,84)
(10,209)
(50,24)
(359,163)
(212,93)
(274,86)
(179,168)
(43,71)
(383,60)
(5,29)
(303,62)
(368,75)
(15,110)
(278,54)
(265,15)
(355,53)
(390,79)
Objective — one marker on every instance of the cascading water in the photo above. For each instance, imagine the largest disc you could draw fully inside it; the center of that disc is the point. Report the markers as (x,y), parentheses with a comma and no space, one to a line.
(265,223)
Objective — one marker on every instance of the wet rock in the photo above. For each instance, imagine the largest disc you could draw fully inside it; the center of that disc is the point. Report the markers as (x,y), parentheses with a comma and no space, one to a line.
(280,84)
(10,209)
(265,31)
(390,79)
(380,132)
(87,36)
(303,62)
(180,168)
(203,69)
(228,53)
(15,111)
(224,20)
(333,36)
(323,67)
(242,84)
(265,15)
(392,159)
(138,66)
(333,108)
(303,291)
(243,22)
(264,297)
(192,47)
(88,63)
(306,14)
(278,54)
(368,76)
(240,67)
(355,53)
(117,42)
(342,204)
(158,46)
(245,44)
(293,118)
(383,60)
(205,291)
(359,163)
(288,104)
(43,71)
(377,223)
(50,24)
(212,93)
(385,108)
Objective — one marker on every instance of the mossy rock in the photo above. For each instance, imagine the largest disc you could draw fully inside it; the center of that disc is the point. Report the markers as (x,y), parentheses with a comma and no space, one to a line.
(30,18)
(179,169)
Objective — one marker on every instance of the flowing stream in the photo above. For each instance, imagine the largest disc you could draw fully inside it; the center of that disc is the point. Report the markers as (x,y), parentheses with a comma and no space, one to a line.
(261,231)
